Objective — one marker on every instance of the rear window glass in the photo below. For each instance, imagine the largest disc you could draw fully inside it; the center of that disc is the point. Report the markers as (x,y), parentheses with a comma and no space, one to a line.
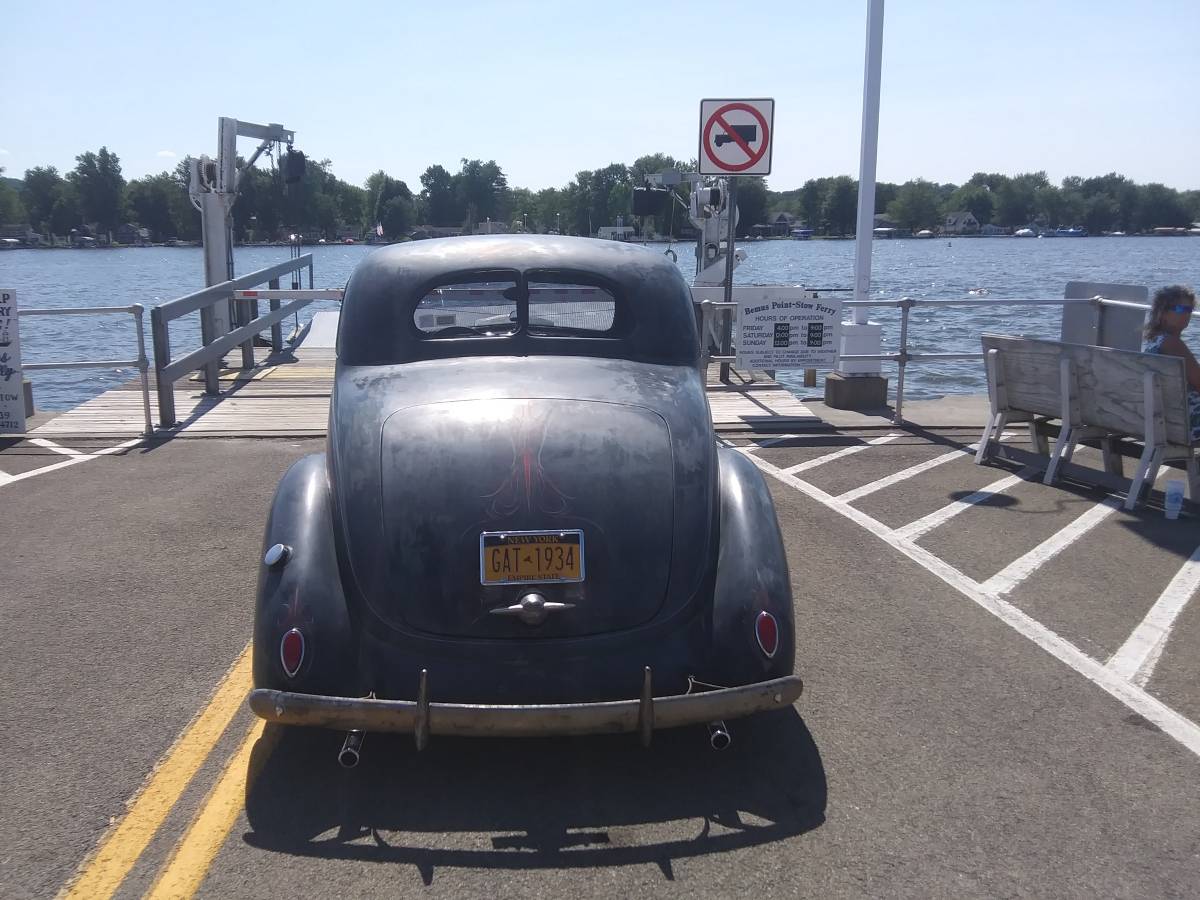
(477,308)
(561,308)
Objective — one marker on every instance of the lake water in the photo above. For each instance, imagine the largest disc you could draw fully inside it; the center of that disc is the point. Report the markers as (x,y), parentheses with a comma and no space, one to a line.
(1004,267)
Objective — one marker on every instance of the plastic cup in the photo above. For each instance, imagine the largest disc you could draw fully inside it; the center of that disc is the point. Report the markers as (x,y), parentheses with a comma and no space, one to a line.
(1174,501)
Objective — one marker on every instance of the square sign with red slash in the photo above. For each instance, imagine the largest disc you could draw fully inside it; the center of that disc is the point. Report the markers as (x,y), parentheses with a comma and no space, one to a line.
(735,137)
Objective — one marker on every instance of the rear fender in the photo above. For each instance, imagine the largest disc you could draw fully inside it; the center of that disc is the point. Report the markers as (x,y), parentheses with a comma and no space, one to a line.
(304,591)
(752,577)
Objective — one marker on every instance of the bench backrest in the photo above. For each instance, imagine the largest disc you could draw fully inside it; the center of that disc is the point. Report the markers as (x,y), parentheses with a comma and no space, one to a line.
(1107,388)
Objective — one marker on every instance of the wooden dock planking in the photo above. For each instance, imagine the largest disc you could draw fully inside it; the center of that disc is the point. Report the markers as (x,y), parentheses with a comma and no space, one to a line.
(292,400)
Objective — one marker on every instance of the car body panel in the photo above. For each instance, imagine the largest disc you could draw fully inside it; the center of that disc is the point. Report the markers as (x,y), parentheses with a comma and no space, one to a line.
(434,441)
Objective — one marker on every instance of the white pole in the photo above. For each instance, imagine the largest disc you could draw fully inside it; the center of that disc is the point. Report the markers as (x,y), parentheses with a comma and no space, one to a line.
(868,154)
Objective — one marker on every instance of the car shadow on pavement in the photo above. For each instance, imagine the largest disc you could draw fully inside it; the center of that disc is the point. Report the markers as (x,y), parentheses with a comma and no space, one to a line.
(537,803)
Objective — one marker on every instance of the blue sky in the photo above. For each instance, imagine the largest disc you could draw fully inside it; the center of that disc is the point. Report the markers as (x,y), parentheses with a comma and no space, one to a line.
(545,89)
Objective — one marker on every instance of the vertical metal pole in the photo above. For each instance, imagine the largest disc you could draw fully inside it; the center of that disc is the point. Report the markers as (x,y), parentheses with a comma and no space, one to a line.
(143,364)
(727,326)
(277,328)
(868,153)
(212,369)
(162,358)
(248,345)
(905,305)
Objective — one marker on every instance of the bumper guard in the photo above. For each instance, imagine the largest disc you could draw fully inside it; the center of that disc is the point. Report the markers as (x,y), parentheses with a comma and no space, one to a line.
(423,718)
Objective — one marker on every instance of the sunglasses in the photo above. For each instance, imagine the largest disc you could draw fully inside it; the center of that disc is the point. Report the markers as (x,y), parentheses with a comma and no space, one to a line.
(1180,308)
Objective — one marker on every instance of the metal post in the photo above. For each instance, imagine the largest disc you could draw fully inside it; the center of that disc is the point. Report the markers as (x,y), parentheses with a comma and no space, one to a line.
(208,333)
(143,364)
(905,305)
(868,153)
(727,326)
(277,328)
(244,318)
(162,359)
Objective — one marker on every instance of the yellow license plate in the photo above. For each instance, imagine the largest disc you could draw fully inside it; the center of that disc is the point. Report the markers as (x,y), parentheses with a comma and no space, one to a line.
(530,557)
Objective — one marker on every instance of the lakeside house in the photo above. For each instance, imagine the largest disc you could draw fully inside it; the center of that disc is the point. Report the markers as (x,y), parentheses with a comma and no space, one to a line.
(132,235)
(615,233)
(962,222)
(991,230)
(19,235)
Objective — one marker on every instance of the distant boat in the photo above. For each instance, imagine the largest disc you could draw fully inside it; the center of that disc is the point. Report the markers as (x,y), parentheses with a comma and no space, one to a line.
(1116,234)
(925,233)
(1071,232)
(1024,232)
(801,234)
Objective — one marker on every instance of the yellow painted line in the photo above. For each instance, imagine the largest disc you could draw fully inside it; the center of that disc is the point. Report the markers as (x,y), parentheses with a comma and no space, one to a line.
(103,873)
(195,852)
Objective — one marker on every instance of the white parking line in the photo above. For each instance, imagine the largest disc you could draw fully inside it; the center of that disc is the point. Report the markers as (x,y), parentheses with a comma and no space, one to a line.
(771,442)
(71,461)
(57,448)
(904,474)
(1139,654)
(1133,697)
(5,478)
(840,454)
(1017,571)
(926,524)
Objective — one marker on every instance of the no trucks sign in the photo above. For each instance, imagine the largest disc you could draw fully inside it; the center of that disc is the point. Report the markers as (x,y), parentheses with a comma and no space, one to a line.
(12,396)
(735,137)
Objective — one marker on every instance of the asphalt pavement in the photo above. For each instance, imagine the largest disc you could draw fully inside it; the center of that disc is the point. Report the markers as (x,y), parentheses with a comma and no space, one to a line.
(962,732)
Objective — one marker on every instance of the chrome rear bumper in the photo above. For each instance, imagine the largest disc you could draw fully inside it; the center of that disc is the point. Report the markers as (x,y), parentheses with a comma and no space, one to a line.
(423,718)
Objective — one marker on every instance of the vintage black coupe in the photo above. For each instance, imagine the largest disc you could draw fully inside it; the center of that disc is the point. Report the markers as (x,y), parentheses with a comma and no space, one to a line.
(523,523)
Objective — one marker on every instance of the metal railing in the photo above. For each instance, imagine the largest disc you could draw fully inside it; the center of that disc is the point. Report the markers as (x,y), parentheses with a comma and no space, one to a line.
(716,321)
(902,357)
(142,364)
(245,316)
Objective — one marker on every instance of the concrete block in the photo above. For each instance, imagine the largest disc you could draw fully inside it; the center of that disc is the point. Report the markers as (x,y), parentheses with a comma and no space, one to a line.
(857,392)
(27,389)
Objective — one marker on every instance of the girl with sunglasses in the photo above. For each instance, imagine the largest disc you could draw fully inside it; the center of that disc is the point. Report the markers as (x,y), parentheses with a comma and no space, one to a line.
(1169,315)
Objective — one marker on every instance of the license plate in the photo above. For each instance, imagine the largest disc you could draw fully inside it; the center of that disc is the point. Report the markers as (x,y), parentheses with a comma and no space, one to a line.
(530,557)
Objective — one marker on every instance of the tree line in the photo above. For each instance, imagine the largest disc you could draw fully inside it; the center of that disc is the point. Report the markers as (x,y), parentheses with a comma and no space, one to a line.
(1105,203)
(95,195)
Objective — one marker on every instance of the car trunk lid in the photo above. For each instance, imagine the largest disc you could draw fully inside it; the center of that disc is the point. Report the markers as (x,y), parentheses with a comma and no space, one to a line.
(531,477)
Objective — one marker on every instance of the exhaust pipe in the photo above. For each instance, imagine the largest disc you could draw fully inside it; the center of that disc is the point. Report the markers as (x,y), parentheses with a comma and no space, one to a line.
(718,735)
(351,750)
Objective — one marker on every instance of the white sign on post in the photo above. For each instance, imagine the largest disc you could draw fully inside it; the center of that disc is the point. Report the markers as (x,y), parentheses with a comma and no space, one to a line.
(781,327)
(12,395)
(735,137)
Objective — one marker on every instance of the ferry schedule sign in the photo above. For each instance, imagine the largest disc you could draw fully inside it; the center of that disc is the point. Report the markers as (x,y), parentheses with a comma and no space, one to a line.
(735,136)
(786,328)
(12,395)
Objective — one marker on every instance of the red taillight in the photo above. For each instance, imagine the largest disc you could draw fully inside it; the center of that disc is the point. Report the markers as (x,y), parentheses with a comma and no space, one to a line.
(766,629)
(291,652)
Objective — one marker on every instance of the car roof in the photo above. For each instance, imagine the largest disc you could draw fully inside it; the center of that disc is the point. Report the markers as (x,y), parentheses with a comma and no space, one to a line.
(377,311)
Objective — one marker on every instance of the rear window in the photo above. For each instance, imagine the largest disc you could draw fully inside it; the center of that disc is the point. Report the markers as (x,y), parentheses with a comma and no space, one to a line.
(469,309)
(564,308)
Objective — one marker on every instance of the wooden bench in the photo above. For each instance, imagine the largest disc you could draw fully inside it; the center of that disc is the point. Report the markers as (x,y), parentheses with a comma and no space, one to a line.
(1096,393)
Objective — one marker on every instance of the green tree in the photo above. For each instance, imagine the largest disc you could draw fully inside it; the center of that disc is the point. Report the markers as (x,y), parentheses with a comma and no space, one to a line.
(975,198)
(1161,207)
(97,179)
(917,205)
(42,187)
(482,191)
(391,204)
(12,211)
(752,204)
(439,197)
(149,200)
(839,208)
